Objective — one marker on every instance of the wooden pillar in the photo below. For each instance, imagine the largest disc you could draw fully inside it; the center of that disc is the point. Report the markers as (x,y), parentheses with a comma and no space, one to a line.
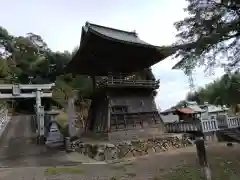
(38,99)
(40,117)
(110,77)
(89,118)
(109,115)
(94,82)
(41,124)
(202,157)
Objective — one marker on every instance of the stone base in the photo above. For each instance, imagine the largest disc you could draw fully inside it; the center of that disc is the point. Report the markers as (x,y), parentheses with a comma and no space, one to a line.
(124,135)
(106,151)
(138,133)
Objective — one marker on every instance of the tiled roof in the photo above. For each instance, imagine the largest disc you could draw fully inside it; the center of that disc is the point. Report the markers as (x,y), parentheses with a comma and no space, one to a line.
(100,43)
(191,102)
(126,37)
(212,108)
(196,108)
(116,34)
(168,111)
(170,118)
(185,110)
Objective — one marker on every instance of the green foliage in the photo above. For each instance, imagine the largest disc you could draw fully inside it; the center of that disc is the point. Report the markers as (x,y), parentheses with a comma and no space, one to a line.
(209,36)
(180,104)
(223,91)
(29,56)
(63,170)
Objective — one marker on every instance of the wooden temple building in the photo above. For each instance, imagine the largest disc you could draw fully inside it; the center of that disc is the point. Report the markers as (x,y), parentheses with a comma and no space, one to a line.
(123,84)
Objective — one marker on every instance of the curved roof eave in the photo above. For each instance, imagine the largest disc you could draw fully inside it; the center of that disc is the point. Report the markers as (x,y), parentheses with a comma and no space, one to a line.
(143,44)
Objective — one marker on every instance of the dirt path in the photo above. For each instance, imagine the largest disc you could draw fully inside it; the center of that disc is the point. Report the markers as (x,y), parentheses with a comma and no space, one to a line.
(223,160)
(17,148)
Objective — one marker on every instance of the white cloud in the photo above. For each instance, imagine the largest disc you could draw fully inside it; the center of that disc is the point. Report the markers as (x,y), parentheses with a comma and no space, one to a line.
(174,84)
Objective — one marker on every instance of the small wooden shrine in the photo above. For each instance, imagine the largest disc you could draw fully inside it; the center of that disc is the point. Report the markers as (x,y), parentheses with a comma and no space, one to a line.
(119,64)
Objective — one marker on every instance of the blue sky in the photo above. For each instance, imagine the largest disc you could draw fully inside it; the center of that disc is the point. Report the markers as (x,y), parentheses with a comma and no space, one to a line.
(59,22)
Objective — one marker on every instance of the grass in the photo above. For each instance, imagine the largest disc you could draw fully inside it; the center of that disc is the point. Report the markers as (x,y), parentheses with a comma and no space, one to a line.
(122,166)
(184,173)
(222,169)
(122,169)
(114,178)
(156,178)
(224,164)
(66,170)
(190,173)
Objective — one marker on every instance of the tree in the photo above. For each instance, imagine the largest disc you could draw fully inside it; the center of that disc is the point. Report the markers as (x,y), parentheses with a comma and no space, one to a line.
(180,104)
(223,91)
(209,36)
(25,56)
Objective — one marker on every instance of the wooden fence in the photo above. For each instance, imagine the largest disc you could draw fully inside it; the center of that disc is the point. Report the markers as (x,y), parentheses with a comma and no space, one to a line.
(211,124)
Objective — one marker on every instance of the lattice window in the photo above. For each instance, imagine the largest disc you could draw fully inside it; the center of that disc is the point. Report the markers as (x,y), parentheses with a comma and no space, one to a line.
(119,109)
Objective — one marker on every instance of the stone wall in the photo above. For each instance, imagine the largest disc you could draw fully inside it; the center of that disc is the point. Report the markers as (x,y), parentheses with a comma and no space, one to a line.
(137,133)
(126,149)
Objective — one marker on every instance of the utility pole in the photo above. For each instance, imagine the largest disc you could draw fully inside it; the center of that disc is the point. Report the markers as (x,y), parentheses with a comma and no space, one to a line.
(191,82)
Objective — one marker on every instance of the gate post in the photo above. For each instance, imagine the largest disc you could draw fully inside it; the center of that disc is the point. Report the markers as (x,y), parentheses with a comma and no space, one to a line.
(40,115)
(37,91)
(38,99)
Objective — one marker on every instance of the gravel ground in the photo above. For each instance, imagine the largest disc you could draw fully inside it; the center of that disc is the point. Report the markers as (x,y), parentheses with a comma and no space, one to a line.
(18,149)
(21,159)
(178,164)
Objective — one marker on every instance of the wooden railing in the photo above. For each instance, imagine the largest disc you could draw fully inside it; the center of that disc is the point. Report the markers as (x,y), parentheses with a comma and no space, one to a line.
(106,82)
(222,123)
(209,125)
(233,122)
(182,127)
(206,125)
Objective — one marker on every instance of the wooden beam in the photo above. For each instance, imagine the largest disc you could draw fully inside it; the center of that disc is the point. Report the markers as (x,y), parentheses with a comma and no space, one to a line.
(27,86)
(24,95)
(109,116)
